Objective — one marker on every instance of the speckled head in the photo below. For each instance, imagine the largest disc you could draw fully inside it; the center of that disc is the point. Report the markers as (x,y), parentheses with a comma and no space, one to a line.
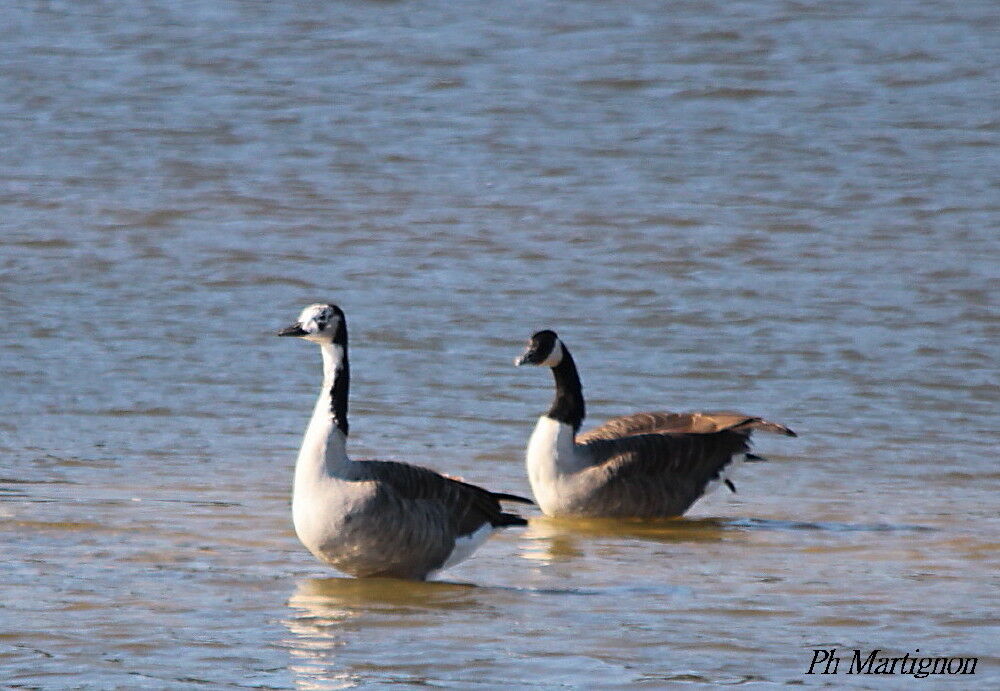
(319,323)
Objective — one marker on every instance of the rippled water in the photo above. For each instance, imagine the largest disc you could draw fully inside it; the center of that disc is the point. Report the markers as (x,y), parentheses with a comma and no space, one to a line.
(788,208)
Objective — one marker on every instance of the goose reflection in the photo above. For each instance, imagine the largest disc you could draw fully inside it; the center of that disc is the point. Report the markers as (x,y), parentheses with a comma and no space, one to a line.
(328,613)
(350,597)
(551,540)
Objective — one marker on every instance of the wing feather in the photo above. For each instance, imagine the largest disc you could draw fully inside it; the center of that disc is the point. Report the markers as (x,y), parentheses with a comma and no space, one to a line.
(681,423)
(467,506)
(655,474)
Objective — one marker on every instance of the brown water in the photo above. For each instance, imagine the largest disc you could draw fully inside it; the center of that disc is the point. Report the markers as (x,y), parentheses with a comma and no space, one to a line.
(787,208)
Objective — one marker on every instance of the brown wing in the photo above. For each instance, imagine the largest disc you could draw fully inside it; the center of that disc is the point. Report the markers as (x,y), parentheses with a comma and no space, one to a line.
(467,506)
(654,474)
(680,423)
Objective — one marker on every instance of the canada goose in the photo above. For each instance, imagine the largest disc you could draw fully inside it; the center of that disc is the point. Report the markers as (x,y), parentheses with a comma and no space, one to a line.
(642,465)
(377,518)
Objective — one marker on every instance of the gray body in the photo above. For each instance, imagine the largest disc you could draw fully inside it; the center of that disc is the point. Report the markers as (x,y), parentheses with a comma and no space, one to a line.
(392,519)
(633,467)
(643,465)
(377,518)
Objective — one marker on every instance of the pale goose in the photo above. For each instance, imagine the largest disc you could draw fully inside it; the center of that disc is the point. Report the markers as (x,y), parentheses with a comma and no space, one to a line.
(377,518)
(642,465)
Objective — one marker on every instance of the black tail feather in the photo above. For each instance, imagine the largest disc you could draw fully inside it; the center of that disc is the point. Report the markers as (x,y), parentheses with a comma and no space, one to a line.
(508,519)
(754,458)
(502,496)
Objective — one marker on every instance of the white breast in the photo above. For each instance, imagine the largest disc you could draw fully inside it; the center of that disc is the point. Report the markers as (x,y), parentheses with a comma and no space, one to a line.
(551,457)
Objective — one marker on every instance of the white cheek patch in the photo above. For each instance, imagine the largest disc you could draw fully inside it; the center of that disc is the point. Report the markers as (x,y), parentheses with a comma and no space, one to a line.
(555,357)
(312,331)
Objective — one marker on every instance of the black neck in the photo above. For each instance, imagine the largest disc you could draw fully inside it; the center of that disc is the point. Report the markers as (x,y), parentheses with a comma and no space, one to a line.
(341,381)
(568,405)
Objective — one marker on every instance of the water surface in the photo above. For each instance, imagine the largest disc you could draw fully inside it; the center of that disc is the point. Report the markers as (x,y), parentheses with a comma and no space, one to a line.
(787,208)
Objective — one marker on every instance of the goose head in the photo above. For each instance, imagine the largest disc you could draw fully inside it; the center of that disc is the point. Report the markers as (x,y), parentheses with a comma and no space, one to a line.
(544,349)
(319,323)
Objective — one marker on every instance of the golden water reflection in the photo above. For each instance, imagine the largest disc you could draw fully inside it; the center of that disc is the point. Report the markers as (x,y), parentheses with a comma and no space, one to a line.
(551,540)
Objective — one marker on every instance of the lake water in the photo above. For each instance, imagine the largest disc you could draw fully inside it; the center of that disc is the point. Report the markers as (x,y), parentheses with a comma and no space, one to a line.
(787,208)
